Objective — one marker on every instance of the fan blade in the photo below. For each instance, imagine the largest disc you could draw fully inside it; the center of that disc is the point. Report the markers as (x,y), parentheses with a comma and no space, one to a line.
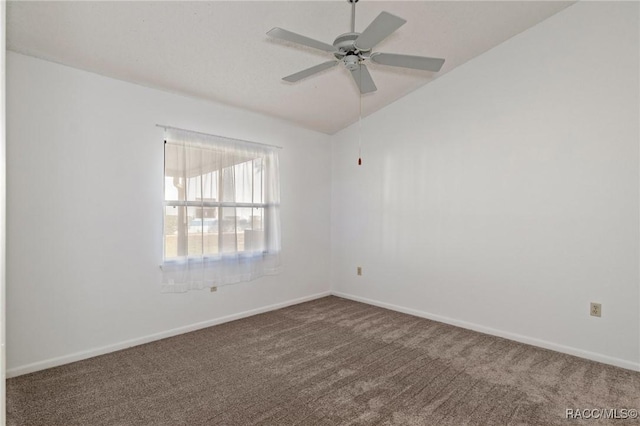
(281,34)
(363,79)
(408,61)
(378,30)
(310,71)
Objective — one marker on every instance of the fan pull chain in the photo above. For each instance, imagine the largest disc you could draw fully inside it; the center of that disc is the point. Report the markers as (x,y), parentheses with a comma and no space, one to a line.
(360,124)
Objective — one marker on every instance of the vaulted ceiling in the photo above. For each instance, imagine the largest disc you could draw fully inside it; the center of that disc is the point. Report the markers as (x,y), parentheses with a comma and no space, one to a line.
(220,51)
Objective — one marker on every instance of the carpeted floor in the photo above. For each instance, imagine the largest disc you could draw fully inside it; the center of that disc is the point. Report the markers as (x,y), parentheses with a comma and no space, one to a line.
(331,362)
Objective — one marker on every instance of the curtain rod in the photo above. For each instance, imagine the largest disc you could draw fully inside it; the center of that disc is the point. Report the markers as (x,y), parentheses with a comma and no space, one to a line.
(217,136)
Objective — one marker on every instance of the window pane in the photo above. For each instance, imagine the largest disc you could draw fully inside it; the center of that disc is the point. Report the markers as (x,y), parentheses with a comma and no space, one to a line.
(228,184)
(244,181)
(257,218)
(243,222)
(210,187)
(242,229)
(238,183)
(254,233)
(171,231)
(195,230)
(176,225)
(229,240)
(210,237)
(194,188)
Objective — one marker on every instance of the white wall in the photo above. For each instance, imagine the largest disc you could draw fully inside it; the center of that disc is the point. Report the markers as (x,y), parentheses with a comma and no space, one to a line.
(503,196)
(85,167)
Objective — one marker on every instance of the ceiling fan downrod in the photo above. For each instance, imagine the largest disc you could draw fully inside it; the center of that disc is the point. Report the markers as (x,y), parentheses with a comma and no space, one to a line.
(353,15)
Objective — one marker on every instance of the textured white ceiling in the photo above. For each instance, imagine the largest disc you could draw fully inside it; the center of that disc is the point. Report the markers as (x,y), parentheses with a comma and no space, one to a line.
(219,50)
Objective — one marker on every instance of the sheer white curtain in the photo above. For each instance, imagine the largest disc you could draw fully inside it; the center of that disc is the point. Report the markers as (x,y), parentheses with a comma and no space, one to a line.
(221,211)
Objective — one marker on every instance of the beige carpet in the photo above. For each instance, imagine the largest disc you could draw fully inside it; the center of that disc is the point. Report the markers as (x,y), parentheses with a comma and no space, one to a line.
(331,362)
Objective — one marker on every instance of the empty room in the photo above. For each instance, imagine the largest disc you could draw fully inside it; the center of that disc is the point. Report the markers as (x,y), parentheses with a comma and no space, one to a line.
(337,212)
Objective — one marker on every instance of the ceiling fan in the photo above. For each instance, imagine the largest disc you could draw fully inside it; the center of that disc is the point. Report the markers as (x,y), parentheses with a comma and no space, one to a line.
(353,49)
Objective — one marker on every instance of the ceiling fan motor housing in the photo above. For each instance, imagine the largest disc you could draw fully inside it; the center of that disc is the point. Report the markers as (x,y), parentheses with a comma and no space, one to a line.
(347,42)
(347,52)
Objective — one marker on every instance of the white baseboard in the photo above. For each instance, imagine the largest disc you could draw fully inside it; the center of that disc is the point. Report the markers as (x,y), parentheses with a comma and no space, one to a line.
(635,366)
(78,356)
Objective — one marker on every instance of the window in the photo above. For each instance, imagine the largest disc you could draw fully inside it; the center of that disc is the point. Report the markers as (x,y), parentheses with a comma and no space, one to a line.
(221,211)
(218,211)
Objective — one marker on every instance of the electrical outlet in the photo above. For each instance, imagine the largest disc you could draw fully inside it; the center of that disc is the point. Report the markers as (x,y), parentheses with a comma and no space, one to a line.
(213,289)
(596,309)
(359,270)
